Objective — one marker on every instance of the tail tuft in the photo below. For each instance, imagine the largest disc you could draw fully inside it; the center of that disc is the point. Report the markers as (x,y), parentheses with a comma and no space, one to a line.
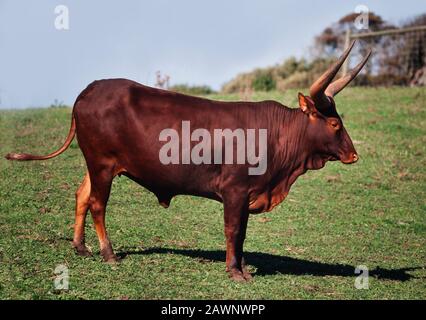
(17,156)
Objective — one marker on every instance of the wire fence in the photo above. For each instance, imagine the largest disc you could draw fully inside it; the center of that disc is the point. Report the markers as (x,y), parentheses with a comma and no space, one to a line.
(399,56)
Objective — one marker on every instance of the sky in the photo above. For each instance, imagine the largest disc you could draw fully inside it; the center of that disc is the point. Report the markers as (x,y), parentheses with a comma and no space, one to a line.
(193,41)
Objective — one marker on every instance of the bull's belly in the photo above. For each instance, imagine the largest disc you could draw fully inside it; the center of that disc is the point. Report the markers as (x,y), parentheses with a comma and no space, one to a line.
(165,189)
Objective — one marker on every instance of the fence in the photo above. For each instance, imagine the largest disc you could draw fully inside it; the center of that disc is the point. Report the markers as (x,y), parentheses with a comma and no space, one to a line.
(399,55)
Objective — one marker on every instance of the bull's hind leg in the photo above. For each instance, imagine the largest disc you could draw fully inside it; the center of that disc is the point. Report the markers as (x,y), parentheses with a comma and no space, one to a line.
(82,205)
(100,189)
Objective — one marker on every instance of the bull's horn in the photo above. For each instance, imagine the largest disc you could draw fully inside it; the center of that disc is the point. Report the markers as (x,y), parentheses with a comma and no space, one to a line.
(318,88)
(336,86)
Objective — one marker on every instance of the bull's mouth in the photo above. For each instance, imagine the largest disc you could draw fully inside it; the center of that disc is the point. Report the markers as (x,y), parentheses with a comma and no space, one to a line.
(349,159)
(319,161)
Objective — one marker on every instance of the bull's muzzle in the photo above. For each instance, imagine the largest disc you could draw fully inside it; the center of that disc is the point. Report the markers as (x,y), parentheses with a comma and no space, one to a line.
(352,158)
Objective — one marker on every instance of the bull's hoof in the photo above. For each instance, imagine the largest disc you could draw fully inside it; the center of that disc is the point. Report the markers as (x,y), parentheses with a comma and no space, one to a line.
(109,257)
(237,275)
(247,275)
(82,250)
(112,260)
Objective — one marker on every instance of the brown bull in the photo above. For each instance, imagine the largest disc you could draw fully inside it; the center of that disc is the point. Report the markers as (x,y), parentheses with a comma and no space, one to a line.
(118,123)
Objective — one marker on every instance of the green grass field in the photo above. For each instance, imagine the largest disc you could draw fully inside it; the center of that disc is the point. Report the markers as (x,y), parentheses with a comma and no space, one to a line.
(371,213)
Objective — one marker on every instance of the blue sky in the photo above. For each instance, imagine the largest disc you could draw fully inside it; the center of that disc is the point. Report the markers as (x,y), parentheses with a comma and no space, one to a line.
(194,41)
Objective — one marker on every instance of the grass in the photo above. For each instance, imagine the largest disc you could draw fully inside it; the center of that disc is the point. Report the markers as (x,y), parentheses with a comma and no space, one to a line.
(371,213)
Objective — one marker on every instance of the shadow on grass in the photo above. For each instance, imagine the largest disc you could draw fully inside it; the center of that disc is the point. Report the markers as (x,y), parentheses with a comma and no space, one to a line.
(269,264)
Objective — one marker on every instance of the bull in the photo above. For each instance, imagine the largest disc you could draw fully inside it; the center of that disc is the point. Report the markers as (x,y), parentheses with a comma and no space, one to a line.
(118,123)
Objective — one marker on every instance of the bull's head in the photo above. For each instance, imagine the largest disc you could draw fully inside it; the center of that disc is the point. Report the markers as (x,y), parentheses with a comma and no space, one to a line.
(328,137)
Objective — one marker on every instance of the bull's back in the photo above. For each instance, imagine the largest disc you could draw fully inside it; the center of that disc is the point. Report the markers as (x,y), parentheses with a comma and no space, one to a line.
(120,121)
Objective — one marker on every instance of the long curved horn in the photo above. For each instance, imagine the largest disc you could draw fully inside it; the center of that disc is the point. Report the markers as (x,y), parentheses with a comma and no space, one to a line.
(337,86)
(318,88)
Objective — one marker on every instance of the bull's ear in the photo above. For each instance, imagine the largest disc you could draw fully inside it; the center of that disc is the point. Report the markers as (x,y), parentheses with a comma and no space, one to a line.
(306,104)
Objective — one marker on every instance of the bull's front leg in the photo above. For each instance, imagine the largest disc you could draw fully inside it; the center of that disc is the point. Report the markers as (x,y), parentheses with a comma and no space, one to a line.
(236,217)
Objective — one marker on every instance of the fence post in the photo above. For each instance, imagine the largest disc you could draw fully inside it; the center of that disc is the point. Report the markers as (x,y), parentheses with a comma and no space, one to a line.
(347,43)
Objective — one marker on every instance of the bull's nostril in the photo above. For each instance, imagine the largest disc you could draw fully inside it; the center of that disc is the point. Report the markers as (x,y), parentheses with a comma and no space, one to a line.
(355,157)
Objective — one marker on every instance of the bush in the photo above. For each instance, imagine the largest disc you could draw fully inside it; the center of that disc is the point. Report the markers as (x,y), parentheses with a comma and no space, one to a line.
(240,83)
(296,80)
(290,66)
(194,90)
(263,82)
(58,104)
(292,73)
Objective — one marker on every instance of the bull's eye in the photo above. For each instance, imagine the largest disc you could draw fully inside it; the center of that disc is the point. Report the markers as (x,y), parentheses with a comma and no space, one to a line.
(334,124)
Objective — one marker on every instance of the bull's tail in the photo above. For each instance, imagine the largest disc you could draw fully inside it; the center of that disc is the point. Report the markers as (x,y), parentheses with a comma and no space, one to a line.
(25,156)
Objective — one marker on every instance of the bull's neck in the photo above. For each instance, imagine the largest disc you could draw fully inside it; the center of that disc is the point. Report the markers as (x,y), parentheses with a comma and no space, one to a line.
(291,151)
(293,155)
